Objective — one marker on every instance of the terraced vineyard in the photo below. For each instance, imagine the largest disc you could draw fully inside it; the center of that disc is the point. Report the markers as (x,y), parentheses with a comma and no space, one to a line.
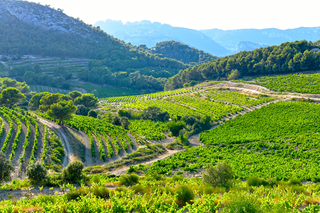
(22,140)
(40,88)
(301,83)
(102,131)
(49,64)
(188,105)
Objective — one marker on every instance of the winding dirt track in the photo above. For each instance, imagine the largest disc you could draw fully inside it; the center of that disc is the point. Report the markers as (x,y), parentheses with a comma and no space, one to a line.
(66,145)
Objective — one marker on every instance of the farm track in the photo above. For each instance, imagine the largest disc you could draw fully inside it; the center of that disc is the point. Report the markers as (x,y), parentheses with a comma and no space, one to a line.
(66,145)
(19,152)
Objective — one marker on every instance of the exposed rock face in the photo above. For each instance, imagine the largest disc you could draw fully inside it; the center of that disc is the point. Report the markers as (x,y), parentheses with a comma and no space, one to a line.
(248,46)
(44,17)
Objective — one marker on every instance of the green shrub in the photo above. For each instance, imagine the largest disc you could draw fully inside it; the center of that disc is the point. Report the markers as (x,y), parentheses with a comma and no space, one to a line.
(138,189)
(73,171)
(100,191)
(36,172)
(184,195)
(129,180)
(208,190)
(294,181)
(256,181)
(5,168)
(219,175)
(242,204)
(177,178)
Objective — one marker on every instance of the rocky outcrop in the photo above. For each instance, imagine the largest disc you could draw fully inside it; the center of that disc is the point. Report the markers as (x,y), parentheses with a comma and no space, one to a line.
(44,17)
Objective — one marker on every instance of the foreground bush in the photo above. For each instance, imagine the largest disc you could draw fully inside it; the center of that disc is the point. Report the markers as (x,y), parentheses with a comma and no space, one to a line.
(73,171)
(5,168)
(128,180)
(184,195)
(36,172)
(219,175)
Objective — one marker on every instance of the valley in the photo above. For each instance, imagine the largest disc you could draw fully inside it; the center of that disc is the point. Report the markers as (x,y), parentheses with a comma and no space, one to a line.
(172,122)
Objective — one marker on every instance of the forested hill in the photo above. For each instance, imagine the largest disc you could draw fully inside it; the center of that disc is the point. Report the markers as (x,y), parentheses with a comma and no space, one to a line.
(285,58)
(182,52)
(29,28)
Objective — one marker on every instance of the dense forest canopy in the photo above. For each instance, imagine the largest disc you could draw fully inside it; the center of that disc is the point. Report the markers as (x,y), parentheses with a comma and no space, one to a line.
(182,52)
(286,58)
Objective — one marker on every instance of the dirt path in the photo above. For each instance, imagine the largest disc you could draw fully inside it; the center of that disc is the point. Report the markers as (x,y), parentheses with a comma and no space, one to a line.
(88,155)
(19,152)
(122,170)
(66,145)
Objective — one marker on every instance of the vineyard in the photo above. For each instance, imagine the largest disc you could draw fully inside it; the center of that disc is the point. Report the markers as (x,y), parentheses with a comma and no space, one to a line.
(151,96)
(301,83)
(188,105)
(279,141)
(151,130)
(23,141)
(49,64)
(236,98)
(103,132)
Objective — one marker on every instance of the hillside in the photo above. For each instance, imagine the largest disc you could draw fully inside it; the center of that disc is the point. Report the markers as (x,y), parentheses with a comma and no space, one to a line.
(285,58)
(150,34)
(34,29)
(182,52)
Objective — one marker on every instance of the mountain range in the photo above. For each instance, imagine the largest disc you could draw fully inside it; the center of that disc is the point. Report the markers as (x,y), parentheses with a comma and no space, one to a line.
(214,41)
(150,34)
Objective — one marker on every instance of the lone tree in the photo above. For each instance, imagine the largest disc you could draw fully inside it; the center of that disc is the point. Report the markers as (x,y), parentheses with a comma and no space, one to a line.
(5,168)
(62,110)
(11,96)
(219,175)
(47,100)
(88,100)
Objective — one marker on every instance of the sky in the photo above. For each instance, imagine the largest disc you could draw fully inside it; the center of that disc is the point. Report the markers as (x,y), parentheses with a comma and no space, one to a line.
(197,14)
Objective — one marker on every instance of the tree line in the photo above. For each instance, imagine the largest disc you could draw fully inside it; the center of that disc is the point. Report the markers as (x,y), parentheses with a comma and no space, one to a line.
(286,58)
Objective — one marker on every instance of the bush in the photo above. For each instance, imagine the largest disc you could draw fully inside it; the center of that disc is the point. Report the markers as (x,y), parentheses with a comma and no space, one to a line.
(184,195)
(294,181)
(73,171)
(100,191)
(5,168)
(242,204)
(219,175)
(93,114)
(256,181)
(82,110)
(129,180)
(176,178)
(36,172)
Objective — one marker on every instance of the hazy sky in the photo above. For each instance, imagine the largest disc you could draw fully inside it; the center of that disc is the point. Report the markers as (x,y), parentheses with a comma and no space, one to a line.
(197,14)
